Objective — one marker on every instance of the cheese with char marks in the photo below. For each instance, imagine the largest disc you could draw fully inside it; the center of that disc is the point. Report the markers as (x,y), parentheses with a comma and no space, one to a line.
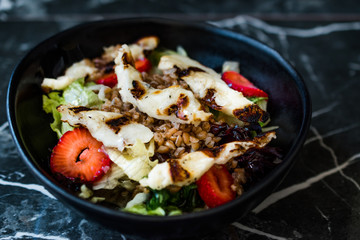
(77,70)
(212,89)
(175,103)
(112,129)
(192,166)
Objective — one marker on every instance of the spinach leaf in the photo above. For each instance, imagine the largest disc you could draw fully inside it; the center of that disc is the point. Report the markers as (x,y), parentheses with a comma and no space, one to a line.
(186,199)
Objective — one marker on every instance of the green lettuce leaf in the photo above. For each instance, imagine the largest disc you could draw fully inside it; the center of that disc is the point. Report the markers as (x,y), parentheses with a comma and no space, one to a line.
(156,54)
(50,102)
(78,94)
(260,101)
(141,209)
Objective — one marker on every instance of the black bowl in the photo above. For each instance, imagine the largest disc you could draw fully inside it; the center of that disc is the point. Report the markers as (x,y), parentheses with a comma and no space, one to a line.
(289,107)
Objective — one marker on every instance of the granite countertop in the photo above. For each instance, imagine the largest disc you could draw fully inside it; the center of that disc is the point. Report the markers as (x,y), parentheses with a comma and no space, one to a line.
(320,197)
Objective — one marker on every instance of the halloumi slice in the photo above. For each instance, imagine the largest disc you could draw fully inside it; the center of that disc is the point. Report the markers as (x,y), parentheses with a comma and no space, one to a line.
(191,167)
(112,129)
(138,49)
(77,70)
(174,103)
(212,90)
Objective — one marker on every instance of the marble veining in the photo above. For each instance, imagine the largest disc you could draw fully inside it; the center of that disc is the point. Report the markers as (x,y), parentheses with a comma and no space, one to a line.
(23,235)
(34,187)
(307,63)
(294,32)
(6,149)
(273,198)
(257,232)
(330,153)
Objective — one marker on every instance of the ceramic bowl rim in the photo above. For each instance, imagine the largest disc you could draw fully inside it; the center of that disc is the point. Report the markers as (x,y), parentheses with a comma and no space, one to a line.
(288,159)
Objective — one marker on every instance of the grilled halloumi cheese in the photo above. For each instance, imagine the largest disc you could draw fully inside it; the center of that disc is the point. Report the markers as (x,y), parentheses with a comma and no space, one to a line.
(112,129)
(212,90)
(191,167)
(86,67)
(174,103)
(77,70)
(137,49)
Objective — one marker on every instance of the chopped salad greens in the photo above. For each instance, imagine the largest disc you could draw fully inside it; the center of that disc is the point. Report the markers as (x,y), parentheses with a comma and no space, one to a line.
(150,131)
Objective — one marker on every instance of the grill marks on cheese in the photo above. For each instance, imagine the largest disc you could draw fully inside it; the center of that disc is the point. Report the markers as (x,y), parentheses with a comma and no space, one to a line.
(212,90)
(174,103)
(78,70)
(112,129)
(191,167)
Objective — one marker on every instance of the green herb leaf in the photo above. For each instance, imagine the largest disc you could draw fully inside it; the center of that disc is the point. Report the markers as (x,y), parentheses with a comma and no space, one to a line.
(159,199)
(186,199)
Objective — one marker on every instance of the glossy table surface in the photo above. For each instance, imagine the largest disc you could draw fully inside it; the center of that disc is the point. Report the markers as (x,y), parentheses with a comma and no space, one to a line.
(320,197)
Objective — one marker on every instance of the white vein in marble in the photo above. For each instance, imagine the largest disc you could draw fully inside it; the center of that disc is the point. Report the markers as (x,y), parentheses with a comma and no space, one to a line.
(33,187)
(308,64)
(333,132)
(325,217)
(275,197)
(334,157)
(27,235)
(257,232)
(294,32)
(324,110)
(6,150)
(338,168)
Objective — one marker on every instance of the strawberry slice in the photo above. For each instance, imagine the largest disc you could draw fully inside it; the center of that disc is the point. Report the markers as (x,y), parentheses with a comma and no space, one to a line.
(109,80)
(238,82)
(143,65)
(214,186)
(79,157)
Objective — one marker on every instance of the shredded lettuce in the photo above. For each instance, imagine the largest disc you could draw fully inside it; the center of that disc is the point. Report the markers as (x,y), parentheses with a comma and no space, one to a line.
(50,102)
(231,66)
(156,54)
(181,51)
(159,211)
(111,179)
(85,192)
(141,209)
(78,94)
(260,101)
(138,199)
(134,160)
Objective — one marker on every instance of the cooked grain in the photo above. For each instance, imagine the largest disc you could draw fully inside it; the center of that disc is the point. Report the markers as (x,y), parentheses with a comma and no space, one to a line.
(186,138)
(170,144)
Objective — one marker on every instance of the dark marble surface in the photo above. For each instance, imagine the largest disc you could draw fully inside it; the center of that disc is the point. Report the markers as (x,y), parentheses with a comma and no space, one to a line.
(319,199)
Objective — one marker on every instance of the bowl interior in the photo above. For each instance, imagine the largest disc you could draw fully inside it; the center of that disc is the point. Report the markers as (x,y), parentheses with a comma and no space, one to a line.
(289,103)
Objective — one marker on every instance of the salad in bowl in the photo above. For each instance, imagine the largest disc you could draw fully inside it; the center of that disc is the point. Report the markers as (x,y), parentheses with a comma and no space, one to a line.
(151,131)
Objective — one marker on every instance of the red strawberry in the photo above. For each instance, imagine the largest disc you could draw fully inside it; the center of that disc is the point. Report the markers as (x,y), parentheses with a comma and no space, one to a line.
(109,80)
(79,156)
(238,82)
(143,65)
(214,186)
